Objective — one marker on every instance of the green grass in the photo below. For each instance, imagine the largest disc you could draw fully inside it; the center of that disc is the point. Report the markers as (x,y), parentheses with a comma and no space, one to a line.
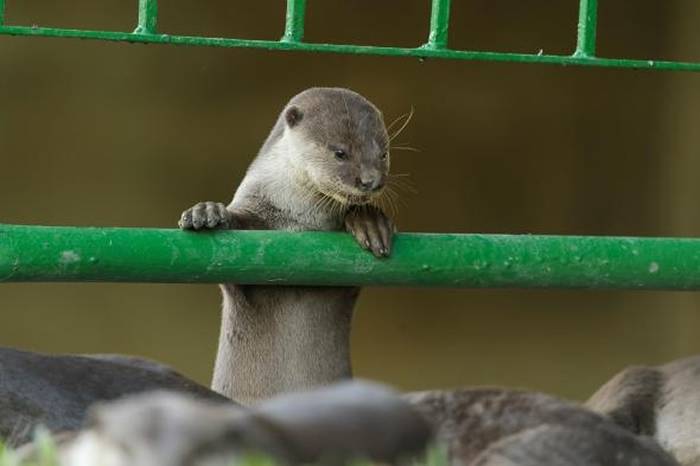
(47,456)
(45,448)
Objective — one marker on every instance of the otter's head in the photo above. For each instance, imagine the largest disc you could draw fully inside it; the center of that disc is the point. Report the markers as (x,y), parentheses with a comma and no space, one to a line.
(340,143)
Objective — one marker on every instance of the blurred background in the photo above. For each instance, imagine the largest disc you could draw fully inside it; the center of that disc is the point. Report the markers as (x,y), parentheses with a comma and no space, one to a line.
(113,134)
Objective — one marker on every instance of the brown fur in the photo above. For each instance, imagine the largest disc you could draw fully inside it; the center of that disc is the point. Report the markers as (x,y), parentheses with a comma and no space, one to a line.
(277,339)
(662,402)
(334,425)
(501,427)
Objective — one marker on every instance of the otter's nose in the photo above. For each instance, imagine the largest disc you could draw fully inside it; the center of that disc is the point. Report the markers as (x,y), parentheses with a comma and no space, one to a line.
(368,184)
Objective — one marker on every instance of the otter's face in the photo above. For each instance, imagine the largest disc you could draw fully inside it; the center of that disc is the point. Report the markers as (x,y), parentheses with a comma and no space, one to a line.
(344,147)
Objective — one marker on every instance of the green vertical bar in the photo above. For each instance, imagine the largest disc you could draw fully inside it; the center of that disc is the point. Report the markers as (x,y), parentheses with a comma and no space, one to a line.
(587,24)
(294,26)
(148,17)
(439,24)
(2,12)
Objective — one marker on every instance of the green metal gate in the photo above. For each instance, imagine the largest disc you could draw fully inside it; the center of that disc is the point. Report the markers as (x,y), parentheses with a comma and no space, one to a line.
(35,253)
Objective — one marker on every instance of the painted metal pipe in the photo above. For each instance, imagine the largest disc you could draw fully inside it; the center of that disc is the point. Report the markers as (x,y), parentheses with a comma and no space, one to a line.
(294,25)
(439,24)
(415,52)
(587,26)
(2,12)
(48,254)
(148,17)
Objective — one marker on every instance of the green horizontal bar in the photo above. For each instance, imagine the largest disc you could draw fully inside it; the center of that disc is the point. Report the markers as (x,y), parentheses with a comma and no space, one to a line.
(439,24)
(294,25)
(587,25)
(148,17)
(417,52)
(35,254)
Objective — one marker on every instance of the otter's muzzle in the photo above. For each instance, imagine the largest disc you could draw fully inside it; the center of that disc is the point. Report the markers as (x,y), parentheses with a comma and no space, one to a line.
(369,184)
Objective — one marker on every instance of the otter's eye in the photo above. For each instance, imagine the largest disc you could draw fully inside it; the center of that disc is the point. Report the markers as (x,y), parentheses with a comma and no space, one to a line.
(340,154)
(383,156)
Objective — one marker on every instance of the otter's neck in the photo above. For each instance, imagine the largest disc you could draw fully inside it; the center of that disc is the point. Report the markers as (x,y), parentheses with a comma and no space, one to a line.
(280,339)
(277,188)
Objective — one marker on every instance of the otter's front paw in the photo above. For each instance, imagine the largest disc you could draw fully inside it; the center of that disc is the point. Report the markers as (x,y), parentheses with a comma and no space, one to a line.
(205,215)
(371,228)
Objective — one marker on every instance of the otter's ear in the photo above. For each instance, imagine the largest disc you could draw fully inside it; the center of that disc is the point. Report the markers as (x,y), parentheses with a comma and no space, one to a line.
(293,115)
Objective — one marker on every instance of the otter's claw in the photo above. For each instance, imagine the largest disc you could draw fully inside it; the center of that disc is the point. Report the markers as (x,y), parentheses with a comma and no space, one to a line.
(371,228)
(205,215)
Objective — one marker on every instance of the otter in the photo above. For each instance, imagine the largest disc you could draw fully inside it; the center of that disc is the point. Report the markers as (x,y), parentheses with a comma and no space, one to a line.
(323,167)
(56,390)
(662,402)
(557,445)
(351,420)
(331,425)
(498,426)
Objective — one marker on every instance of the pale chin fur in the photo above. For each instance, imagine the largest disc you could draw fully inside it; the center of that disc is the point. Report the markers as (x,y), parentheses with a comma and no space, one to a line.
(345,199)
(290,185)
(295,143)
